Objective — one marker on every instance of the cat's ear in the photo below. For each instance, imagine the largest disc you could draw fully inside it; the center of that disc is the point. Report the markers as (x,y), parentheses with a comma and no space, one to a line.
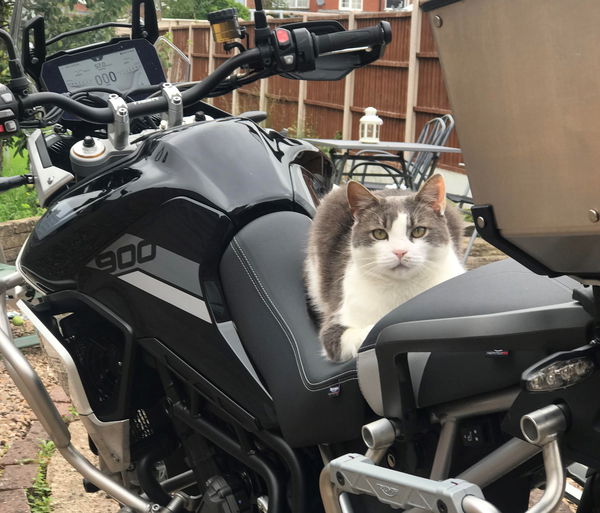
(359,197)
(433,193)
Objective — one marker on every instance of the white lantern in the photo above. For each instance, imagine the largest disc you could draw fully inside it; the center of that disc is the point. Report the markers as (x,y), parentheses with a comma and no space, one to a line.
(370,124)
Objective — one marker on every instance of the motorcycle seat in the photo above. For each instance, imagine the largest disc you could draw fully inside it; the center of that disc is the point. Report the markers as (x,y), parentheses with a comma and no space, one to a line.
(502,302)
(262,278)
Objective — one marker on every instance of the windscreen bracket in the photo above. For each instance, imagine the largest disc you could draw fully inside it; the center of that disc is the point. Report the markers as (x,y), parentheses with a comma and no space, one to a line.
(144,26)
(33,51)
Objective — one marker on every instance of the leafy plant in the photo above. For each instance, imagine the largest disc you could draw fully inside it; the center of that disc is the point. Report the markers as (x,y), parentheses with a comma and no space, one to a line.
(199,9)
(275,5)
(5,10)
(308,131)
(20,202)
(64,15)
(39,495)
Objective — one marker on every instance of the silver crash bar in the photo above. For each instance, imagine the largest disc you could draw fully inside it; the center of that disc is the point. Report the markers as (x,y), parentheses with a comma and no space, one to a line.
(36,395)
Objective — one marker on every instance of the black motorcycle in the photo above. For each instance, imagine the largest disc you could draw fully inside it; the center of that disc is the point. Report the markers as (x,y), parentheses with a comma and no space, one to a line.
(169,265)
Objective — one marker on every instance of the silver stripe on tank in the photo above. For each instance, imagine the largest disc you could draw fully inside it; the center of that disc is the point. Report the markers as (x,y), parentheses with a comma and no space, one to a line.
(167,293)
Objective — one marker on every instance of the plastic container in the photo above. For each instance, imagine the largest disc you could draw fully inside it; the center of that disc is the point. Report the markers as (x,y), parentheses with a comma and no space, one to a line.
(523,79)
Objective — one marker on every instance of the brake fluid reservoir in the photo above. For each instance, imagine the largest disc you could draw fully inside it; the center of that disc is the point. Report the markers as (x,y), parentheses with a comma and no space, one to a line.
(86,155)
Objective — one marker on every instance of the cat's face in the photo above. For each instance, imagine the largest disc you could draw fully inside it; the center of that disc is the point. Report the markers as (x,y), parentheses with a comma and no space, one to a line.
(397,236)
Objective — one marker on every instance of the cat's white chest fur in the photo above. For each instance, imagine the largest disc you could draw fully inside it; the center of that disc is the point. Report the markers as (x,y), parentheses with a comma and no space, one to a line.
(368,299)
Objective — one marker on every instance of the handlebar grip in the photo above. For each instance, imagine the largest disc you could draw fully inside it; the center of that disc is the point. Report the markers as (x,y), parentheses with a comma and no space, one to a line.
(369,36)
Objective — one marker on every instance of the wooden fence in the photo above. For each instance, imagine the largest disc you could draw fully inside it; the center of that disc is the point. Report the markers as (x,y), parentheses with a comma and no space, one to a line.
(405,86)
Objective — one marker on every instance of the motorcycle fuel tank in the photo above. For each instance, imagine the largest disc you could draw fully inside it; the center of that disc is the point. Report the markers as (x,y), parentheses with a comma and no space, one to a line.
(145,239)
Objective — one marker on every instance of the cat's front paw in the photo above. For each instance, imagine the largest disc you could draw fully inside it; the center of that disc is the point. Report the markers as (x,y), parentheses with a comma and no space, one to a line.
(351,341)
(341,343)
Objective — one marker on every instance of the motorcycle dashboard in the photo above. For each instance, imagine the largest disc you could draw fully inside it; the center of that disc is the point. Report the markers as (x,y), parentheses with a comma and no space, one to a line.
(122,66)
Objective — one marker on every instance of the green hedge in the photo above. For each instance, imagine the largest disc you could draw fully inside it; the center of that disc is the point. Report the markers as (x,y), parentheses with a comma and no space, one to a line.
(20,202)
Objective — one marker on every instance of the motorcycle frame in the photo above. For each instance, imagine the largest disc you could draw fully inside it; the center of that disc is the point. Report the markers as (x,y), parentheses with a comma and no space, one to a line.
(495,465)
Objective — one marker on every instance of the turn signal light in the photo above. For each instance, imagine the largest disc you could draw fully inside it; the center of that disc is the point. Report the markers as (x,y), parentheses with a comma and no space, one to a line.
(561,374)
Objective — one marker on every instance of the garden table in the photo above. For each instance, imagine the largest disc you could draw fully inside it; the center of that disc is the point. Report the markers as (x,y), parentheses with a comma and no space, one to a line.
(341,151)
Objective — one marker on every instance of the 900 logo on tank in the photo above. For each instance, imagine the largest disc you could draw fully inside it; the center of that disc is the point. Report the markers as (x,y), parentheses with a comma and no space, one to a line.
(126,256)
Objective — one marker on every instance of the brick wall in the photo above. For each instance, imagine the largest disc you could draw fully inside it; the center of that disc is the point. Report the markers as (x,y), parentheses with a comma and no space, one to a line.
(12,236)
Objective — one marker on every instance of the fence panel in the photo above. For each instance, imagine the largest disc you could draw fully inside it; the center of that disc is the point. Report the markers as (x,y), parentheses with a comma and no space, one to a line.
(180,38)
(432,99)
(382,84)
(200,49)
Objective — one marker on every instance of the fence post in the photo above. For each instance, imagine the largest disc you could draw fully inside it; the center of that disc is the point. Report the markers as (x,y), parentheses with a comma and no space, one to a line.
(235,96)
(211,51)
(211,58)
(235,102)
(348,93)
(262,99)
(191,49)
(301,118)
(413,71)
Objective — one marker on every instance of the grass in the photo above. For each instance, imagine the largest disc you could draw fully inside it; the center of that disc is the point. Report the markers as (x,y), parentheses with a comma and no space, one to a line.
(39,495)
(20,202)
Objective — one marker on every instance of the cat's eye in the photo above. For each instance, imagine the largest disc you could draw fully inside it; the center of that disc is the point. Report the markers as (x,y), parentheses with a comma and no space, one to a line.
(418,232)
(379,234)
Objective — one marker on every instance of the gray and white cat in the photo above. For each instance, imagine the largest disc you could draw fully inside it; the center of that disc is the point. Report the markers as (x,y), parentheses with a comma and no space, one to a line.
(370,252)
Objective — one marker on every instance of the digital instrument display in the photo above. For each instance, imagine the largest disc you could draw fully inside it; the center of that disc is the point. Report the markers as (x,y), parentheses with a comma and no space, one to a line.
(121,66)
(121,70)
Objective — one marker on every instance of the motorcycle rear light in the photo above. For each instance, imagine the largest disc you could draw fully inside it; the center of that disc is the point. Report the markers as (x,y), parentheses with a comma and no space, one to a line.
(561,374)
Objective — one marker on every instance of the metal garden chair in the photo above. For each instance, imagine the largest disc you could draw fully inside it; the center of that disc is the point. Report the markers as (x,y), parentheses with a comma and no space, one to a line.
(417,168)
(464,202)
(421,165)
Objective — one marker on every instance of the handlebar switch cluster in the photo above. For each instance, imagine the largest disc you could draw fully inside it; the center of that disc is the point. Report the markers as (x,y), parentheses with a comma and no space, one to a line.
(285,49)
(305,50)
(9,107)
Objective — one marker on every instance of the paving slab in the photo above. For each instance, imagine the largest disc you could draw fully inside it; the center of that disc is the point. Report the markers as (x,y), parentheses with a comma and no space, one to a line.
(68,495)
(20,452)
(14,501)
(17,477)
(37,433)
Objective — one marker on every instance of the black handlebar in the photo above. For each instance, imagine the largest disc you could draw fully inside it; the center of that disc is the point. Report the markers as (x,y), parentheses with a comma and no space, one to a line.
(93,114)
(369,36)
(10,182)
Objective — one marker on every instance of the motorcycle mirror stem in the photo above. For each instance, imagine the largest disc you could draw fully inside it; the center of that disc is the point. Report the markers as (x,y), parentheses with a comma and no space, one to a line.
(261,28)
(18,83)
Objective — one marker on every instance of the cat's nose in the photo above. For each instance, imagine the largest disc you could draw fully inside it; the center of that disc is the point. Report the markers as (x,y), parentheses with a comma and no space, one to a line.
(399,253)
